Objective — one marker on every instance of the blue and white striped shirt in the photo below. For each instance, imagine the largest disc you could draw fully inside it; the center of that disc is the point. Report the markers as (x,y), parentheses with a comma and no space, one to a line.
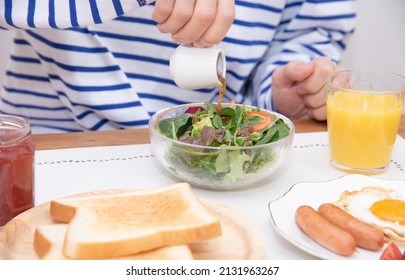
(102,64)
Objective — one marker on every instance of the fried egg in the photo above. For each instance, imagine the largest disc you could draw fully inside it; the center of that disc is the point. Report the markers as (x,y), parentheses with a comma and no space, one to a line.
(377,206)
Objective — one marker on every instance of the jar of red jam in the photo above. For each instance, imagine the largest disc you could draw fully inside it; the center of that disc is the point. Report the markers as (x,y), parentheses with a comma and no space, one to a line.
(16,167)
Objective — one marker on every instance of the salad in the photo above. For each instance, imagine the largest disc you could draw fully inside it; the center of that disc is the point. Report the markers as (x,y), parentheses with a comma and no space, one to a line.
(227,130)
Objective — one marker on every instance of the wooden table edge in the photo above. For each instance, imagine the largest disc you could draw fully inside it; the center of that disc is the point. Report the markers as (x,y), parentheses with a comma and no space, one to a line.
(141,136)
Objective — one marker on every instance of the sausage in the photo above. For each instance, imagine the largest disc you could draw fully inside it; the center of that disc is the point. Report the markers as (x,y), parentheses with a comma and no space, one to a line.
(324,232)
(366,236)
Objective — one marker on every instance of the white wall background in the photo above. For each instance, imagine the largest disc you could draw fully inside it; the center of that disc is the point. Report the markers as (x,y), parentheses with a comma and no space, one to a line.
(379,40)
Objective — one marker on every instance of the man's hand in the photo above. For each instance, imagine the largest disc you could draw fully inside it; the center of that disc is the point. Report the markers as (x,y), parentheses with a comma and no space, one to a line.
(202,23)
(298,89)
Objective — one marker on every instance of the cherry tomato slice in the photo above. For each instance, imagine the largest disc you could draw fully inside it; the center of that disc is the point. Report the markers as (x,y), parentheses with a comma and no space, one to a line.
(392,252)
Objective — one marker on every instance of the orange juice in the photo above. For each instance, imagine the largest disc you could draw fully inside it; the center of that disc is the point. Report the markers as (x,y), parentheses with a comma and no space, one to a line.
(362,128)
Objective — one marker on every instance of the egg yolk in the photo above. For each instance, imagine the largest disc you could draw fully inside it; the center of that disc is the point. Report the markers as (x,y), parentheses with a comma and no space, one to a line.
(392,210)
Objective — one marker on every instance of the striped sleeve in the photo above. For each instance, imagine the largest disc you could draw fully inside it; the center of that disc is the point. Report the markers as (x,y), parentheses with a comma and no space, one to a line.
(17,14)
(308,29)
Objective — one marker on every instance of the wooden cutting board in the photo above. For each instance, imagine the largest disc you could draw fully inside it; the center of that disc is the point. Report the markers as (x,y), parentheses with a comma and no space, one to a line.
(241,240)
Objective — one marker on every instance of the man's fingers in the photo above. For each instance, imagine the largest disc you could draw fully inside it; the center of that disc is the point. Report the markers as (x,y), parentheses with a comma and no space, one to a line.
(202,23)
(163,10)
(318,114)
(223,20)
(323,66)
(315,100)
(292,73)
(204,15)
(181,14)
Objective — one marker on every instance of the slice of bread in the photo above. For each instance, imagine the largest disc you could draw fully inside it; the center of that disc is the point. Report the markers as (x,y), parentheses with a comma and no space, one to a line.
(49,240)
(126,223)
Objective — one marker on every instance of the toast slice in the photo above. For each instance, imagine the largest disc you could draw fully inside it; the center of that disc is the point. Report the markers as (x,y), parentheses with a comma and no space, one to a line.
(126,223)
(49,240)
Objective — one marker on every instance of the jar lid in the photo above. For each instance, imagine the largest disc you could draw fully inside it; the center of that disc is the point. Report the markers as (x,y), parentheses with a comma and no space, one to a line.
(13,129)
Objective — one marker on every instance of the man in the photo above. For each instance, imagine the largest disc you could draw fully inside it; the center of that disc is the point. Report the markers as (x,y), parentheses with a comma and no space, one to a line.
(103,64)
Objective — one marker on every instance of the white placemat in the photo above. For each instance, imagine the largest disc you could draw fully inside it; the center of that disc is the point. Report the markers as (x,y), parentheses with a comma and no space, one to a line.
(68,171)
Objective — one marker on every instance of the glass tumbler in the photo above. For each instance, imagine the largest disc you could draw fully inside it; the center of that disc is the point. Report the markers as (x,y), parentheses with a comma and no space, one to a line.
(364,110)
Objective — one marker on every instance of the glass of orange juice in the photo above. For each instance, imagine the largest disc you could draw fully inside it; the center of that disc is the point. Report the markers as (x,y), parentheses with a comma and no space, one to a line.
(364,109)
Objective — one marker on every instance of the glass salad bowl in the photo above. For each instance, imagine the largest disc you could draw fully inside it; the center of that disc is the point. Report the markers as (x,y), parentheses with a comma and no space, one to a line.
(221,152)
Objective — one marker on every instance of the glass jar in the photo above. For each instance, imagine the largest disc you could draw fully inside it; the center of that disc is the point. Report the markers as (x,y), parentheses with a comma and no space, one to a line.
(16,167)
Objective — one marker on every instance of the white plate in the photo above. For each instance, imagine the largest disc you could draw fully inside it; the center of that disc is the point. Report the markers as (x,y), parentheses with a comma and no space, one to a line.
(314,194)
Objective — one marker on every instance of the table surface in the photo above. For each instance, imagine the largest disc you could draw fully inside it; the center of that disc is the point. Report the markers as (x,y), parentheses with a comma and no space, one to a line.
(276,247)
(141,136)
